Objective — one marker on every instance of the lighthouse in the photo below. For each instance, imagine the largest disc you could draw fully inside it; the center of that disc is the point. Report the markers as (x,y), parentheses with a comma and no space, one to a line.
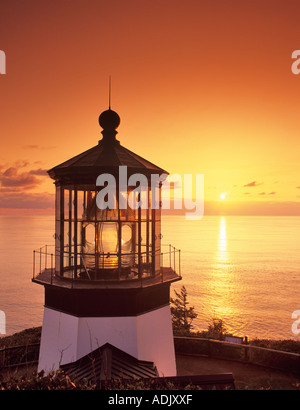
(107,279)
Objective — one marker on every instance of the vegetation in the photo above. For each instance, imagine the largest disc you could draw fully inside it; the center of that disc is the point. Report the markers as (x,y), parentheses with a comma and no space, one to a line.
(34,381)
(26,337)
(288,345)
(60,381)
(182,315)
(216,330)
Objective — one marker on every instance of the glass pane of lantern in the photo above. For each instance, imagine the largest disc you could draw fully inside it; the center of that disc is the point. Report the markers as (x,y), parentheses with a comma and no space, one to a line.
(89,248)
(66,262)
(80,199)
(145,245)
(144,205)
(127,243)
(79,236)
(157,245)
(150,234)
(67,203)
(90,206)
(108,237)
(57,204)
(79,242)
(66,236)
(90,234)
(126,233)
(57,235)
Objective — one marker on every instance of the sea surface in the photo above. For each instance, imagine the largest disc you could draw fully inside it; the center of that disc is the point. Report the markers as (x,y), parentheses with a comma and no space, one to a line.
(243,270)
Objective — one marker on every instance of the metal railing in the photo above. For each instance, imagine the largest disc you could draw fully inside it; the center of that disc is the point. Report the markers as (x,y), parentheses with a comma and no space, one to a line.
(43,260)
(46,258)
(171,258)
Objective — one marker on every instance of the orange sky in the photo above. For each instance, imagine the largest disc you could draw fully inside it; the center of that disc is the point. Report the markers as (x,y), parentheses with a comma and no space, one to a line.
(201,87)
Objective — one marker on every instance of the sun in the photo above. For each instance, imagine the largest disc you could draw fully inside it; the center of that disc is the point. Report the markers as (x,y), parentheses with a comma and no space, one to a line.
(222,195)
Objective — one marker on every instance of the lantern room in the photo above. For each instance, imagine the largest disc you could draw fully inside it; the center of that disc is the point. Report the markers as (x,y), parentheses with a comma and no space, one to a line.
(108,212)
(107,217)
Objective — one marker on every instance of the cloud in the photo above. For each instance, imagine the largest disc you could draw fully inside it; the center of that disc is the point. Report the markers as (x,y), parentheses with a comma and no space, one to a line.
(9,189)
(270,193)
(13,178)
(30,146)
(16,181)
(34,146)
(25,200)
(253,183)
(40,172)
(21,163)
(266,207)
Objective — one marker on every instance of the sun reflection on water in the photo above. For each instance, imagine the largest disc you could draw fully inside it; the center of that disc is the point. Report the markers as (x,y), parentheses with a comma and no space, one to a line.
(221,283)
(222,254)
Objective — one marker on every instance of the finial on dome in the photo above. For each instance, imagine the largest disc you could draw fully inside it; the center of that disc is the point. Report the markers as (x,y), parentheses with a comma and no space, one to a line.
(109,120)
(109,91)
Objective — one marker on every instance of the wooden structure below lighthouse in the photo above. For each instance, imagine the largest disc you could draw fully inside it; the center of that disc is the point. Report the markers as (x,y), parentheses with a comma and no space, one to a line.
(108,279)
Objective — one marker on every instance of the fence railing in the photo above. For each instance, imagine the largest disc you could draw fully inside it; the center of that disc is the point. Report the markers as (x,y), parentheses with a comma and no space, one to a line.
(19,355)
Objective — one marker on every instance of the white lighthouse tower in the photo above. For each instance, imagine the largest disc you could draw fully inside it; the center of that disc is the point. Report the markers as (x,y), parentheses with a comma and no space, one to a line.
(107,282)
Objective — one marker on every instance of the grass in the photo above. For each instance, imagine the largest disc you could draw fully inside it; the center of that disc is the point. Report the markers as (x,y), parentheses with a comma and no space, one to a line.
(25,337)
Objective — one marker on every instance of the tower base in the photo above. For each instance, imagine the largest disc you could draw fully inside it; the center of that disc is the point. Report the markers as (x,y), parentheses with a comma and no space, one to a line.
(147,336)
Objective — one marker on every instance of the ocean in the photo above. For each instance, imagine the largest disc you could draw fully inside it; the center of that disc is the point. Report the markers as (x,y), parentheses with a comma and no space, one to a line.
(244,270)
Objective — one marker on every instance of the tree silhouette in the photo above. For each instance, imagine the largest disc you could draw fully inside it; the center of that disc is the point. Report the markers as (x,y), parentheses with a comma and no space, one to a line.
(182,315)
